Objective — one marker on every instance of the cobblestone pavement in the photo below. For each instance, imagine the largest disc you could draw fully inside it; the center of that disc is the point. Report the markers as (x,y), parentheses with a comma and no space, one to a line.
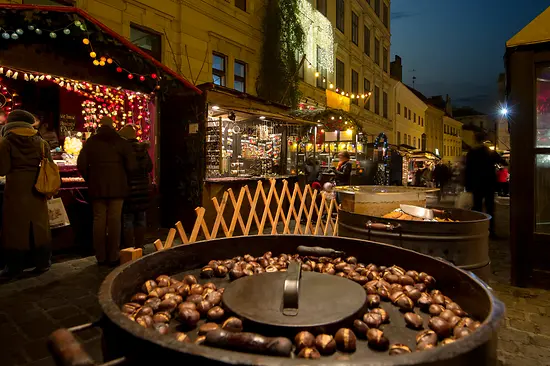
(32,307)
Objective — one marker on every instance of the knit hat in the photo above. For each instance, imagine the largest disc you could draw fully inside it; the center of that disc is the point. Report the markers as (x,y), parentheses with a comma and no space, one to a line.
(106,121)
(20,115)
(128,132)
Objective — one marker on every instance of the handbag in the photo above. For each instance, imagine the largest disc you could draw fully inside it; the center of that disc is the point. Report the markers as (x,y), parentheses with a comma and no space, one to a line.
(48,181)
(465,201)
(57,213)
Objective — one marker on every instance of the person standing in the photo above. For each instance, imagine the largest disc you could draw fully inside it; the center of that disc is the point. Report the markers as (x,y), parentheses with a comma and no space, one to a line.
(312,170)
(502,179)
(480,177)
(26,226)
(104,163)
(134,218)
(343,171)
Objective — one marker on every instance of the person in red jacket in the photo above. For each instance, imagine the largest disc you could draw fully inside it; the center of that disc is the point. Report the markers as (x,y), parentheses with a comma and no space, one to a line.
(502,180)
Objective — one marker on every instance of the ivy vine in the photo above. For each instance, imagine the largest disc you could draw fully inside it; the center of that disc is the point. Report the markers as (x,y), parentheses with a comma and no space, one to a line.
(283,47)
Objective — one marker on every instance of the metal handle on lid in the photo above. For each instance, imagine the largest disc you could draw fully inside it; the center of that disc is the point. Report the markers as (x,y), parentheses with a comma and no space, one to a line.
(318,251)
(379,226)
(291,290)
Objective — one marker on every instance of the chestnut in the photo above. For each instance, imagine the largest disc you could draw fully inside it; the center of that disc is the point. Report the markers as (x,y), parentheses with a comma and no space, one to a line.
(182,337)
(248,272)
(236,273)
(413,293)
(215,297)
(422,276)
(455,308)
(183,290)
(271,269)
(406,280)
(345,340)
(149,286)
(207,272)
(351,260)
(422,346)
(339,267)
(412,274)
(454,321)
(161,317)
(460,332)
(399,349)
(167,305)
(341,274)
(310,353)
(153,303)
(440,326)
(426,336)
(207,327)
(435,310)
(429,281)
(200,340)
(203,307)
(377,339)
(145,321)
(391,278)
(187,305)
(425,301)
(305,267)
(326,344)
(330,270)
(446,315)
(304,340)
(447,341)
(190,280)
(233,324)
(319,267)
(413,320)
(221,271)
(206,292)
(373,301)
(360,279)
(384,293)
(397,270)
(144,310)
(194,298)
(189,317)
(163,281)
(215,314)
(196,289)
(404,303)
(139,298)
(360,328)
(130,308)
(396,287)
(439,299)
(371,288)
(248,258)
(467,323)
(383,313)
(161,328)
(420,287)
(372,320)
(177,298)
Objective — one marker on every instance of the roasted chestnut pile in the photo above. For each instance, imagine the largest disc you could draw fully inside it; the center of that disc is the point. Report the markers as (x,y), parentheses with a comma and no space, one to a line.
(197,313)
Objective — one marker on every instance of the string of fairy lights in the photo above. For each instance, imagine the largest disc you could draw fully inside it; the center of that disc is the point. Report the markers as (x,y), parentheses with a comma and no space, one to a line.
(97,59)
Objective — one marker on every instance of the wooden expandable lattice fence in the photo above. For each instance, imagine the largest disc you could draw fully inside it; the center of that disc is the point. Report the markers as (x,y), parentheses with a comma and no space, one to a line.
(288,211)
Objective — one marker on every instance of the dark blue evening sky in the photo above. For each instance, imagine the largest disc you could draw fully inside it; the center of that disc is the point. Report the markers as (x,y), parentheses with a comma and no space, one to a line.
(457,47)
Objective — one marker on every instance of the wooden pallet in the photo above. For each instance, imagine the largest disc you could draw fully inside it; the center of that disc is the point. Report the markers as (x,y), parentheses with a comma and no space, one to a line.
(304,207)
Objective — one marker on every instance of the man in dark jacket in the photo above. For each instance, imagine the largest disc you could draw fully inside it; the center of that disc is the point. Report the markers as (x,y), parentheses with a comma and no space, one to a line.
(104,162)
(343,171)
(136,204)
(26,226)
(480,177)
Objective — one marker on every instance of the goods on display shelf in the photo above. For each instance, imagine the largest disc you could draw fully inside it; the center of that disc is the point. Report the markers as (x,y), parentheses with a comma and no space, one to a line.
(213,146)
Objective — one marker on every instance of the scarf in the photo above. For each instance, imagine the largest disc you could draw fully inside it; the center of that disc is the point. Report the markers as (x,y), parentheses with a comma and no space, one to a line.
(19,128)
(340,163)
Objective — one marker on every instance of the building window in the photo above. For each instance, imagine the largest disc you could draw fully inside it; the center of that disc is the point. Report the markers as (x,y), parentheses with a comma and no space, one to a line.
(398,138)
(414,142)
(355,86)
(340,75)
(405,138)
(366,89)
(240,76)
(386,16)
(405,110)
(377,51)
(385,105)
(409,140)
(398,108)
(147,41)
(421,121)
(322,7)
(354,28)
(322,78)
(340,15)
(218,69)
(377,7)
(409,114)
(241,4)
(414,119)
(376,100)
(366,40)
(385,59)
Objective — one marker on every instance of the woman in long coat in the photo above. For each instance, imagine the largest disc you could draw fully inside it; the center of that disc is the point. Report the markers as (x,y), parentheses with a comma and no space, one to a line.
(25,220)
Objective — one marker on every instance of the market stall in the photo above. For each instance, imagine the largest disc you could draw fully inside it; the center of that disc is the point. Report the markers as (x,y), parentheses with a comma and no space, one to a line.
(527,63)
(70,71)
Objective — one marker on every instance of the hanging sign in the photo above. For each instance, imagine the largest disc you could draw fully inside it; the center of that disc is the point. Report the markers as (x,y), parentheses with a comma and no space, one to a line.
(337,101)
(67,124)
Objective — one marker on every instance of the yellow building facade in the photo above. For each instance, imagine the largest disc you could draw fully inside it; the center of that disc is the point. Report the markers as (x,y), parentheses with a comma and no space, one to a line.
(452,140)
(186,34)
(409,115)
(361,31)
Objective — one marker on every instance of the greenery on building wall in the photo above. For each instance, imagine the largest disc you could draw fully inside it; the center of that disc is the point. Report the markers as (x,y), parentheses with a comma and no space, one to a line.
(283,45)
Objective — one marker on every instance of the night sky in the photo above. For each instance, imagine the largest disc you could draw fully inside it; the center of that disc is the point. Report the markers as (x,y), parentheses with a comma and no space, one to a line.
(457,47)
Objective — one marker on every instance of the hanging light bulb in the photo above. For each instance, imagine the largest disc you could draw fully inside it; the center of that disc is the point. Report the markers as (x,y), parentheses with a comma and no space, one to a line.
(331,86)
(109,60)
(53,35)
(316,74)
(86,41)
(96,62)
(343,93)
(19,31)
(93,54)
(66,31)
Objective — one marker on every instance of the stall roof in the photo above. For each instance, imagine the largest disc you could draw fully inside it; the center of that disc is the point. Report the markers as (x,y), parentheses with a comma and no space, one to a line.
(108,31)
(538,31)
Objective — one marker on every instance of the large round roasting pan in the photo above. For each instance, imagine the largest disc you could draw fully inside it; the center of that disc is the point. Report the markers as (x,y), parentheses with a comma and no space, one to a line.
(145,347)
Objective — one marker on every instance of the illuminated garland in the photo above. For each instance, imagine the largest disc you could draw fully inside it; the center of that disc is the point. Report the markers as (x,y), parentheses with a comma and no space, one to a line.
(383,175)
(7,99)
(123,106)
(98,60)
(318,32)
